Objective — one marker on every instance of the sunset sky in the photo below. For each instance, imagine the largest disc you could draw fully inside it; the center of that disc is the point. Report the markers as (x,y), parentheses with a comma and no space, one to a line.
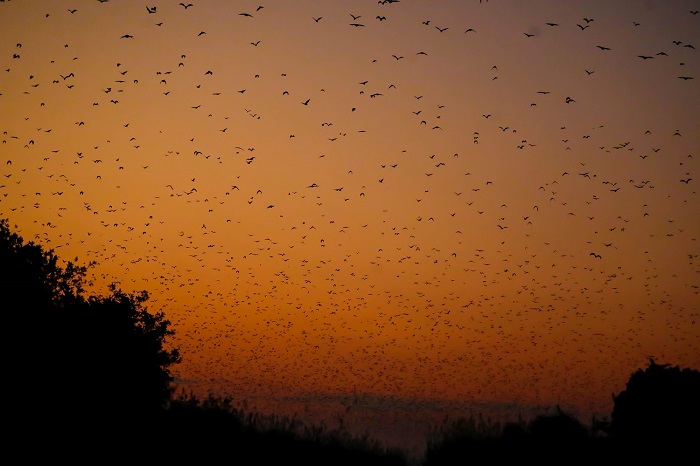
(404,205)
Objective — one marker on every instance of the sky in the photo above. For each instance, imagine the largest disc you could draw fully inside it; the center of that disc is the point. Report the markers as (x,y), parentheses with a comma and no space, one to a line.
(372,210)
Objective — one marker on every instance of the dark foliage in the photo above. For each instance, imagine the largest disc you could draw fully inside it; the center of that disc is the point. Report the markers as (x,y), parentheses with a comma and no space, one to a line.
(559,435)
(213,429)
(78,372)
(659,409)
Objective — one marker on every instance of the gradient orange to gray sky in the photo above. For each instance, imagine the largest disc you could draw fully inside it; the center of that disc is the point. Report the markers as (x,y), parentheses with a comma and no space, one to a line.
(418,204)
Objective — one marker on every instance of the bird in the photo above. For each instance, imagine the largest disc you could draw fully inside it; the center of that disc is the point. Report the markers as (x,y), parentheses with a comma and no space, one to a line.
(602,47)
(185,5)
(151,9)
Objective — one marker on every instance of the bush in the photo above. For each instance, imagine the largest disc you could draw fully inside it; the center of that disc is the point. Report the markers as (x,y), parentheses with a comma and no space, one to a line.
(659,408)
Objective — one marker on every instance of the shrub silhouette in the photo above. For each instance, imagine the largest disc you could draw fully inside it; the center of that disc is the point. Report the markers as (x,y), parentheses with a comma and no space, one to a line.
(79,372)
(558,435)
(659,408)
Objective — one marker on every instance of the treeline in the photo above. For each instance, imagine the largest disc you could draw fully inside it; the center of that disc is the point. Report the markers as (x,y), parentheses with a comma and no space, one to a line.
(88,377)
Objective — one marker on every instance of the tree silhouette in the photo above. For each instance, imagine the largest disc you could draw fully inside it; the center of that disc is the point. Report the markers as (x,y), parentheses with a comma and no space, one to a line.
(80,374)
(659,410)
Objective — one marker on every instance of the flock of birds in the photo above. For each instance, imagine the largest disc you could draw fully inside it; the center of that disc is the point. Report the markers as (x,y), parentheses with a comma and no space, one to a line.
(388,201)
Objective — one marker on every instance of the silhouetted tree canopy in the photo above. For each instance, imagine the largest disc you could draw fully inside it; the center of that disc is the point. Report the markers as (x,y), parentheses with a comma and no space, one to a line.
(660,406)
(85,368)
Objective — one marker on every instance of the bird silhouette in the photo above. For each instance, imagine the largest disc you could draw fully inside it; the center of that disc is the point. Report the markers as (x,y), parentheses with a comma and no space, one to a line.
(215,204)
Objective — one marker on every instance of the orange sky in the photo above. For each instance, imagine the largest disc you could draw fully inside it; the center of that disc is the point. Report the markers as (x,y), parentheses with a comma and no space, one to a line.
(406,209)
